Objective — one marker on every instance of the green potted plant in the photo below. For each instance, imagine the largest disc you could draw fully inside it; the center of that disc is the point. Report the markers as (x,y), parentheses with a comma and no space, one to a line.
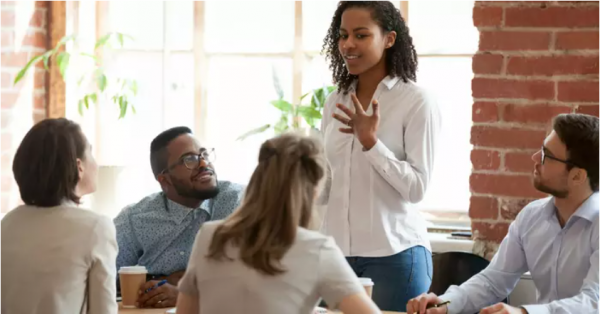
(292,115)
(118,90)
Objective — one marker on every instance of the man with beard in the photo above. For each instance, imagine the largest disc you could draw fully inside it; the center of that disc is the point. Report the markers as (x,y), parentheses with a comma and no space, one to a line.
(159,231)
(555,238)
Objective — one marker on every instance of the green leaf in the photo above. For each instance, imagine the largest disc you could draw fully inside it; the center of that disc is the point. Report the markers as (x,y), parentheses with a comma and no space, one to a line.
(304,96)
(102,81)
(46,57)
(63,41)
(123,105)
(63,62)
(133,109)
(89,56)
(253,132)
(80,107)
(102,41)
(120,37)
(26,67)
(282,105)
(282,125)
(94,98)
(307,112)
(86,101)
(133,86)
(277,84)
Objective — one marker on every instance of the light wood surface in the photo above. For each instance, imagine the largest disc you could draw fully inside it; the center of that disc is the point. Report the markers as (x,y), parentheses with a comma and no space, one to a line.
(162,311)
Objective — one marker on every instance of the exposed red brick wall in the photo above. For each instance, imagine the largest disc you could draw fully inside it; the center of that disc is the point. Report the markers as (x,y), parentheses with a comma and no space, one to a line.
(24,35)
(535,60)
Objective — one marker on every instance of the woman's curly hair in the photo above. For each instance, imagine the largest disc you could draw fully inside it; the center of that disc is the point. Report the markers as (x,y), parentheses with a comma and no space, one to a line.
(401,58)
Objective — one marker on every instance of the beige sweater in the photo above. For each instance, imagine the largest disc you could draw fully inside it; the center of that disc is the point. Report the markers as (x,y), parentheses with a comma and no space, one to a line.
(58,260)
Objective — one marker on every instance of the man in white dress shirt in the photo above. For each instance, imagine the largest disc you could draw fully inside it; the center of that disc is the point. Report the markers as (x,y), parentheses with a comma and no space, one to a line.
(555,238)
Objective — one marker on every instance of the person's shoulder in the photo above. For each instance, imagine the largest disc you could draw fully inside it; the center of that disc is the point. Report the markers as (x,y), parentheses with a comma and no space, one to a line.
(313,238)
(419,95)
(149,203)
(231,187)
(534,210)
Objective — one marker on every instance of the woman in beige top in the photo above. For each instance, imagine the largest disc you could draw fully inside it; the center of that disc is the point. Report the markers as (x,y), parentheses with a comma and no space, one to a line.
(263,259)
(56,257)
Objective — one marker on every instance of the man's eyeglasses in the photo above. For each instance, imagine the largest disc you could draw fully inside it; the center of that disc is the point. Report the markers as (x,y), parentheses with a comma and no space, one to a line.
(544,156)
(192,161)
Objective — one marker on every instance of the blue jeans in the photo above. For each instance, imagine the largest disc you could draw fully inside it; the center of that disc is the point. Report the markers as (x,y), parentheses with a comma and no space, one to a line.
(397,278)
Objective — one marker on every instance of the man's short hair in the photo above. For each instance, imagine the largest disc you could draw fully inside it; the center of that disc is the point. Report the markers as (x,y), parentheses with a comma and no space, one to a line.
(579,132)
(159,156)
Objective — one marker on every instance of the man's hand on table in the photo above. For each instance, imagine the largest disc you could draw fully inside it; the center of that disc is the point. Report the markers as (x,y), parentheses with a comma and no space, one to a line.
(163,296)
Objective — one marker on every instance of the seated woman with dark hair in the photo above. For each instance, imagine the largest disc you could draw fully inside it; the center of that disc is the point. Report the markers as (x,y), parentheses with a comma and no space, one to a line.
(56,257)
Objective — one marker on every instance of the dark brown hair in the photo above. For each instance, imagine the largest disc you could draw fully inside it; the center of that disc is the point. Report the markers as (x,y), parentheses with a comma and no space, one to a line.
(579,133)
(279,198)
(45,165)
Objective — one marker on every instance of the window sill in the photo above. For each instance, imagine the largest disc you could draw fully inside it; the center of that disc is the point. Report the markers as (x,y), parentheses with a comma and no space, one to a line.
(444,242)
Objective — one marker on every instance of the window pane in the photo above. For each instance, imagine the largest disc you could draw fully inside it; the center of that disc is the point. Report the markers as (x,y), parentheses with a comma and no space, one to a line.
(239,92)
(316,74)
(179,89)
(180,25)
(230,27)
(127,141)
(449,79)
(316,18)
(146,28)
(439,27)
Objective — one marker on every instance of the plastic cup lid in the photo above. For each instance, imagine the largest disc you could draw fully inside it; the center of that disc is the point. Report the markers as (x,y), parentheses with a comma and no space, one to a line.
(366,281)
(133,270)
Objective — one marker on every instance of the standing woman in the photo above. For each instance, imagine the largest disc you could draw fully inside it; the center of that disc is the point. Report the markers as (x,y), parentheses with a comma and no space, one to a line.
(56,257)
(380,155)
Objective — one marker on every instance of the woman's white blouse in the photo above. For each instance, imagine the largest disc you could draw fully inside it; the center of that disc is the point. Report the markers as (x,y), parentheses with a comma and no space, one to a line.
(370,194)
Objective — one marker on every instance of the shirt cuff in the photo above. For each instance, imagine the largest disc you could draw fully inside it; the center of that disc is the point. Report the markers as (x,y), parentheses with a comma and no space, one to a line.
(454,306)
(536,309)
(378,154)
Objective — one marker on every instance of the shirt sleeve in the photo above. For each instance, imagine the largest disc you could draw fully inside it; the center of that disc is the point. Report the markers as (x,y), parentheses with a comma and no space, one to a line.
(411,177)
(584,302)
(336,278)
(102,275)
(323,197)
(129,248)
(494,283)
(188,283)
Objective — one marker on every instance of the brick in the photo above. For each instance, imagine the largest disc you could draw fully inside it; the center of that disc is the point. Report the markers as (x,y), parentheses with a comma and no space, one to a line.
(8,18)
(504,185)
(39,79)
(7,119)
(518,162)
(510,208)
(485,111)
(542,113)
(6,163)
(488,136)
(578,91)
(507,88)
(490,231)
(572,40)
(513,40)
(42,4)
(487,64)
(485,159)
(7,80)
(6,142)
(39,101)
(588,109)
(38,18)
(14,59)
(9,100)
(7,183)
(487,16)
(482,207)
(568,16)
(35,39)
(7,39)
(5,204)
(554,65)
